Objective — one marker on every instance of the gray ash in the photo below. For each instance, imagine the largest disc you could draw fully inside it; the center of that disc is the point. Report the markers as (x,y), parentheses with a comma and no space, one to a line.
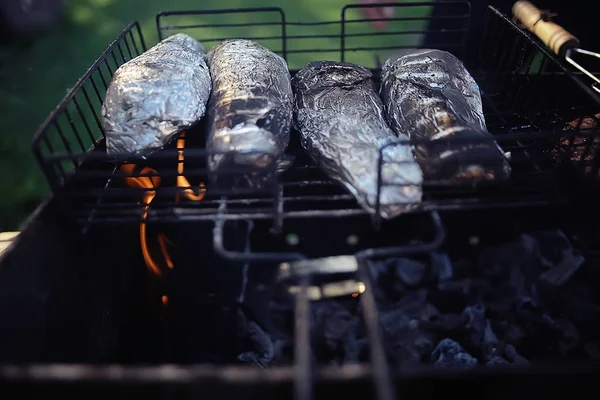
(523,301)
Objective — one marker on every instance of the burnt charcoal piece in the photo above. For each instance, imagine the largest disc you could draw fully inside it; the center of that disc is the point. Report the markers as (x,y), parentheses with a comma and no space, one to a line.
(337,333)
(496,360)
(396,276)
(513,356)
(449,353)
(258,347)
(442,266)
(410,272)
(476,324)
(408,343)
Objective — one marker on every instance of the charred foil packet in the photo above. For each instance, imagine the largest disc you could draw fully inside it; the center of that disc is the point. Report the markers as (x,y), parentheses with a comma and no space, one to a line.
(430,96)
(155,95)
(340,118)
(250,112)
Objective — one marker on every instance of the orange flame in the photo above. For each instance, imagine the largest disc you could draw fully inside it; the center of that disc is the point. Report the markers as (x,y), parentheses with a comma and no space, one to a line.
(146,180)
(182,181)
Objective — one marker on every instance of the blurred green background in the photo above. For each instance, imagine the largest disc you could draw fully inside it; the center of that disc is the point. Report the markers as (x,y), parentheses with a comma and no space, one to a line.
(37,72)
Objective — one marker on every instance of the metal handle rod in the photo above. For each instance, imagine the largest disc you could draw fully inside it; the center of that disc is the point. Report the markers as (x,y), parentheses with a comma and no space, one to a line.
(596,85)
(302,350)
(380,370)
(554,36)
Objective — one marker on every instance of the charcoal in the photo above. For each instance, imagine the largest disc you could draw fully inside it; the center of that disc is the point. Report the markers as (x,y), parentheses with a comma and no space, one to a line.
(513,356)
(496,360)
(415,304)
(443,322)
(409,344)
(508,303)
(336,332)
(492,347)
(259,347)
(476,324)
(410,272)
(387,287)
(514,334)
(449,353)
(442,266)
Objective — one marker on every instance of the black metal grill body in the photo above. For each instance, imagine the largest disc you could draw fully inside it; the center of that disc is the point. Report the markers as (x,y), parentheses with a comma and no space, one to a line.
(68,298)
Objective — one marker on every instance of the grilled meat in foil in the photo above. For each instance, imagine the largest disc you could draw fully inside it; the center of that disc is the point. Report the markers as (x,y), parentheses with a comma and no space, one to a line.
(340,117)
(156,95)
(429,96)
(250,109)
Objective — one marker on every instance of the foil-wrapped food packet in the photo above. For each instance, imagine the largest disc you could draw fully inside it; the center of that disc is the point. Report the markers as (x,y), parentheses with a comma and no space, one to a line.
(429,95)
(250,112)
(340,118)
(155,95)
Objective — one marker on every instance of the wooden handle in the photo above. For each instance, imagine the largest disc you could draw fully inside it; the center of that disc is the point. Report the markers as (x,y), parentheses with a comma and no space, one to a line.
(551,34)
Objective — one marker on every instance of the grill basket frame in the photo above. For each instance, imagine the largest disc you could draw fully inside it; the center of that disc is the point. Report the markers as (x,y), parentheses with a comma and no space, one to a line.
(529,97)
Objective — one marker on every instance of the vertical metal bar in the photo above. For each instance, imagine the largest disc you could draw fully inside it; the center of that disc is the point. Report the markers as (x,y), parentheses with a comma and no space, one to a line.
(380,370)
(277,193)
(103,82)
(490,30)
(128,48)
(377,215)
(467,27)
(302,350)
(54,184)
(343,35)
(110,71)
(57,163)
(75,132)
(284,35)
(530,95)
(99,200)
(83,118)
(66,143)
(95,87)
(121,52)
(114,57)
(158,26)
(137,51)
(138,28)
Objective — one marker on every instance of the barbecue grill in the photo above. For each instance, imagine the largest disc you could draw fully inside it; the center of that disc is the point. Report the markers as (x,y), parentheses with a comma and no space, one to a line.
(80,312)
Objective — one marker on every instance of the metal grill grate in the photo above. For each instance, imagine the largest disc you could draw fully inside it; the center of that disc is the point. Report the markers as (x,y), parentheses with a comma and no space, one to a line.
(529,98)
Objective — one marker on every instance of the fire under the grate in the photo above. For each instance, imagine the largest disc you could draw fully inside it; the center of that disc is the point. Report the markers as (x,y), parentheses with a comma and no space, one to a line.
(529,297)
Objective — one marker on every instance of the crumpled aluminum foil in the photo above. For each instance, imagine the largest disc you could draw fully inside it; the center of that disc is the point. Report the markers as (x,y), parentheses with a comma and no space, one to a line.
(156,95)
(250,110)
(429,95)
(340,117)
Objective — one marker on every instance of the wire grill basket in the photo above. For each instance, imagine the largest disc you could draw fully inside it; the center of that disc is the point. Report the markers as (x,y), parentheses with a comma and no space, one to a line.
(536,108)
